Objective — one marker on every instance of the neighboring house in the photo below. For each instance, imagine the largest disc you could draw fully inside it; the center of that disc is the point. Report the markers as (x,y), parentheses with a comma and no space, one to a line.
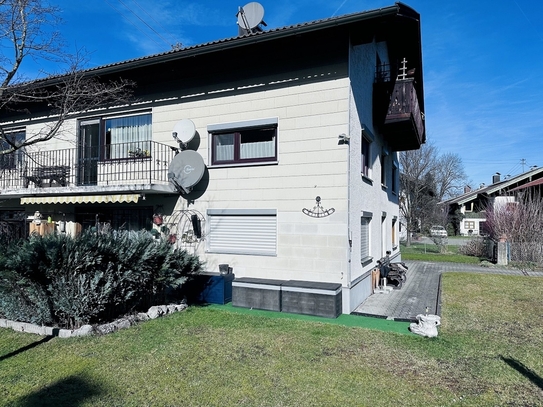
(473,203)
(288,164)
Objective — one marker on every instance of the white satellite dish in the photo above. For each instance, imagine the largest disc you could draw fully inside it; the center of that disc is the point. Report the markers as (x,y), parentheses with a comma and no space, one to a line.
(251,16)
(186,170)
(185,130)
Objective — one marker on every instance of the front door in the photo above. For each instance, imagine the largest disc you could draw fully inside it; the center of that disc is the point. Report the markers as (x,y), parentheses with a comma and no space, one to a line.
(89,152)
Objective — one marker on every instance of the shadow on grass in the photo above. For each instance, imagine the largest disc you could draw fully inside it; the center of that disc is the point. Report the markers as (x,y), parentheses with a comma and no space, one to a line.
(523,370)
(25,348)
(71,391)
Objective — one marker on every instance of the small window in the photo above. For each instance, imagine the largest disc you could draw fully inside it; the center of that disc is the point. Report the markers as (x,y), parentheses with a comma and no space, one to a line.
(394,178)
(384,169)
(469,224)
(255,142)
(365,157)
(393,233)
(367,139)
(12,160)
(365,237)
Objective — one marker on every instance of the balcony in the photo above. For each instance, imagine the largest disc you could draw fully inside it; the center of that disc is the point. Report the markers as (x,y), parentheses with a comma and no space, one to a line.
(397,113)
(134,167)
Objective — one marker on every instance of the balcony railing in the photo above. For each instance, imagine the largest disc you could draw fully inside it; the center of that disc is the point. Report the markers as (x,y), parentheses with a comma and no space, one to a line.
(396,111)
(144,162)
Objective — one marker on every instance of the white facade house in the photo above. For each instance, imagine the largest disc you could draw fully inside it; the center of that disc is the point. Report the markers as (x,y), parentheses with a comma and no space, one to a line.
(501,193)
(291,164)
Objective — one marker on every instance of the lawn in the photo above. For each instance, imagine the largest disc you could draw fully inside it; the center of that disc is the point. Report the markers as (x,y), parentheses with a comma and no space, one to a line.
(488,353)
(430,252)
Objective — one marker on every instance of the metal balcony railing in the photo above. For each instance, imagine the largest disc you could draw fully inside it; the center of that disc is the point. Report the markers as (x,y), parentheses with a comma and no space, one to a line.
(142,162)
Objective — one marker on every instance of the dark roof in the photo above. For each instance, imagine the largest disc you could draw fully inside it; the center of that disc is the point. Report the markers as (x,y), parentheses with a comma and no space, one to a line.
(508,185)
(398,9)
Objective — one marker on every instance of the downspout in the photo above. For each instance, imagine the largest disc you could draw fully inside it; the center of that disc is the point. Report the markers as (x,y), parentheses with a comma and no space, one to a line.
(349,232)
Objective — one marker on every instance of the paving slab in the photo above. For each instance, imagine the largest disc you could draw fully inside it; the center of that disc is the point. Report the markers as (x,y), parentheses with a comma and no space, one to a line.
(421,293)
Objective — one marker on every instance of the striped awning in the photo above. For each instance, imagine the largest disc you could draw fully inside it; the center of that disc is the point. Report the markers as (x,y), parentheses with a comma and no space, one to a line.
(75,199)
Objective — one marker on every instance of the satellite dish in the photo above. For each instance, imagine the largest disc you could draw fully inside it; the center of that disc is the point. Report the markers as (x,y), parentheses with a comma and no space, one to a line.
(186,170)
(185,130)
(251,16)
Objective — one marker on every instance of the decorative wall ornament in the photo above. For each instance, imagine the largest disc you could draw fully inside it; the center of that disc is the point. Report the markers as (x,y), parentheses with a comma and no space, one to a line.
(318,211)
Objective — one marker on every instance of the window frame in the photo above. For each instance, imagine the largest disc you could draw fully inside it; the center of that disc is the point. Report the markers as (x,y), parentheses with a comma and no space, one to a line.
(366,141)
(237,130)
(141,148)
(15,159)
(365,237)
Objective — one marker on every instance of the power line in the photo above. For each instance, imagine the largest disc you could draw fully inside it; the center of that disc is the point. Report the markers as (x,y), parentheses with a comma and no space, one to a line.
(144,22)
(152,18)
(130,22)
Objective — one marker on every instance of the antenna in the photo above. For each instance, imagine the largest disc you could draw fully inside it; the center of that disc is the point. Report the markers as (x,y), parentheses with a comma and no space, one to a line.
(250,17)
(186,170)
(183,132)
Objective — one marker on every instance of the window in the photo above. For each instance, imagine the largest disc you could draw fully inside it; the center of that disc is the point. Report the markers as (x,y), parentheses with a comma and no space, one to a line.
(367,139)
(242,231)
(394,176)
(393,232)
(469,224)
(365,236)
(365,157)
(244,142)
(128,136)
(116,137)
(384,168)
(12,160)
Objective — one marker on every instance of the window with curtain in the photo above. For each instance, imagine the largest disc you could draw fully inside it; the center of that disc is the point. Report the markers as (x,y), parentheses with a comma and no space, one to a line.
(244,145)
(129,137)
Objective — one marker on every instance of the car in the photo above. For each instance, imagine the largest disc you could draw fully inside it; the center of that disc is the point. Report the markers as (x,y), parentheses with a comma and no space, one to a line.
(438,231)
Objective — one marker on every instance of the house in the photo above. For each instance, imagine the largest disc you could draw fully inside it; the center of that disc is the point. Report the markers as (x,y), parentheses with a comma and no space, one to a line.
(472,204)
(272,153)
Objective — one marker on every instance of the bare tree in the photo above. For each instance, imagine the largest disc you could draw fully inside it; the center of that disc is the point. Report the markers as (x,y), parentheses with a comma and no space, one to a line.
(425,179)
(449,176)
(27,31)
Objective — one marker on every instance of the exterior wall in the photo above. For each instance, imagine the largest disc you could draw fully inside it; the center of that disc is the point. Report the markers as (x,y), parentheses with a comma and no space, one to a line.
(368,195)
(310,163)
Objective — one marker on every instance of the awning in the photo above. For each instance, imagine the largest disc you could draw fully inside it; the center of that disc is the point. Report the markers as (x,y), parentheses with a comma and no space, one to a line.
(75,199)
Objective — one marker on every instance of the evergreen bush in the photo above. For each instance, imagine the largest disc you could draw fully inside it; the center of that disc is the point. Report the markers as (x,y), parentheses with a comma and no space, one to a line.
(92,278)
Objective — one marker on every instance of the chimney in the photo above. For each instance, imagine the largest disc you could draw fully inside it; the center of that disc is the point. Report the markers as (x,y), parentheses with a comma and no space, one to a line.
(496,178)
(467,189)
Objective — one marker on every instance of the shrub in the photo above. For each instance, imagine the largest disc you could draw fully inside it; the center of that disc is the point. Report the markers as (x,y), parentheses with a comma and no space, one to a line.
(92,278)
(474,247)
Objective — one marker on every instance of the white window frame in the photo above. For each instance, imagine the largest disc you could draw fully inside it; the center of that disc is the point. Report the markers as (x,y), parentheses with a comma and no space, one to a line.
(242,231)
(365,237)
(367,139)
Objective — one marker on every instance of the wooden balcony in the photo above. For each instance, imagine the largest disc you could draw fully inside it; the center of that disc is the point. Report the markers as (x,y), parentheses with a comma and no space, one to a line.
(402,123)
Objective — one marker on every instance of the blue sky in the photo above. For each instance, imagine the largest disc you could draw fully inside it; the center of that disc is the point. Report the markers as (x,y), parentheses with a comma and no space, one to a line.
(483,61)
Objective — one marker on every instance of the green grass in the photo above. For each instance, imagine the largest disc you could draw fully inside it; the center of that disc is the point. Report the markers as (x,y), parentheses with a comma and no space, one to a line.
(488,353)
(430,252)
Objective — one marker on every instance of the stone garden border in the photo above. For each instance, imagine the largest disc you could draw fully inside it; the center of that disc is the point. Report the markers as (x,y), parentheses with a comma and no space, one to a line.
(86,330)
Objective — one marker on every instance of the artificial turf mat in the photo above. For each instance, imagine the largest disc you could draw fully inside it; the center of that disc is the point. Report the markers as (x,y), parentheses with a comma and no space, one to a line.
(358,321)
